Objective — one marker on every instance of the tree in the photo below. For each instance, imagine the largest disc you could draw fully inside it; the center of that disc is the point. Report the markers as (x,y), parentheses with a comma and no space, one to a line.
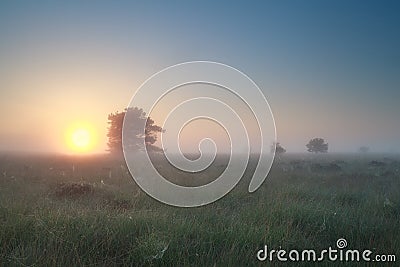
(137,120)
(278,148)
(317,145)
(363,149)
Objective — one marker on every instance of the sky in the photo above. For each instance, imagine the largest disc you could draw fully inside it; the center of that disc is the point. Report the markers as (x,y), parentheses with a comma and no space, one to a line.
(328,69)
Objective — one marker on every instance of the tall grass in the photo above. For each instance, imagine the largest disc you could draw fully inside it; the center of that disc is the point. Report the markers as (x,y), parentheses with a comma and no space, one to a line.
(117,224)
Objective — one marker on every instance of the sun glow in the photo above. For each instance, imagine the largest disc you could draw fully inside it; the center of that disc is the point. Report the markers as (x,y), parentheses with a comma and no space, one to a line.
(81,139)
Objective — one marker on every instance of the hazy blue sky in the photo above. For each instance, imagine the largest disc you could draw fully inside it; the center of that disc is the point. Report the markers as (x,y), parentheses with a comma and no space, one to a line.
(328,68)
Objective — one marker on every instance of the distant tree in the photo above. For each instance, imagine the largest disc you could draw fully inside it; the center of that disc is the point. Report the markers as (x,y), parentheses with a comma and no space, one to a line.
(363,149)
(134,139)
(317,145)
(278,148)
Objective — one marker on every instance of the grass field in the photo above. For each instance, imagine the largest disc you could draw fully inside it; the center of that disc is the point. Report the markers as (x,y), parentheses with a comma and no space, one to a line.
(67,211)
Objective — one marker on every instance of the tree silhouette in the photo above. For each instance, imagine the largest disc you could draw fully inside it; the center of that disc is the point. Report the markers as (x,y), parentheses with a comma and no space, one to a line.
(317,145)
(278,148)
(363,149)
(134,139)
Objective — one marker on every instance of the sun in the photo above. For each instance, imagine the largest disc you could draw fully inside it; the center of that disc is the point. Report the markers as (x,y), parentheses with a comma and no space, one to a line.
(81,139)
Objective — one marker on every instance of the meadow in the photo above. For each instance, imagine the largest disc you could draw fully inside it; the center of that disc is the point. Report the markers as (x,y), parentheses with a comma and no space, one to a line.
(87,211)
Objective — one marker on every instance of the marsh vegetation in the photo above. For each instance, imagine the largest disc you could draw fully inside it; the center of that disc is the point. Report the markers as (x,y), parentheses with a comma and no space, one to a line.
(61,210)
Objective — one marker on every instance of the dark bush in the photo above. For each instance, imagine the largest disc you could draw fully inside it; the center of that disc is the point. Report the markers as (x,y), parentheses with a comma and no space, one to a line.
(73,189)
